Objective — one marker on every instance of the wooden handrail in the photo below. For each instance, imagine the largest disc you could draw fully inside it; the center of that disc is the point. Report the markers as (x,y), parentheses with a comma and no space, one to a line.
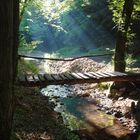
(57,59)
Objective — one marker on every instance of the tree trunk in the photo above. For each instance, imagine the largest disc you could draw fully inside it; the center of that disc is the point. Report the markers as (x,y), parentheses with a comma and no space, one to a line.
(120,50)
(8,53)
(16,34)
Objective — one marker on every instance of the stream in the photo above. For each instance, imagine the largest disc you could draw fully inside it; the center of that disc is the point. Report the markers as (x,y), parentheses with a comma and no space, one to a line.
(66,103)
(86,114)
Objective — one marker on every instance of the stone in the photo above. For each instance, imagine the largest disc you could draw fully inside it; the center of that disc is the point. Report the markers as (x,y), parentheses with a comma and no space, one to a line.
(128,115)
(86,95)
(106,124)
(120,98)
(69,96)
(108,112)
(61,103)
(118,114)
(55,97)
(57,101)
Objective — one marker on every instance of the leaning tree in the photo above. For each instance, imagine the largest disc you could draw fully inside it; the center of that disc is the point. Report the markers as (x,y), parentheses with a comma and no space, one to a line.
(9,15)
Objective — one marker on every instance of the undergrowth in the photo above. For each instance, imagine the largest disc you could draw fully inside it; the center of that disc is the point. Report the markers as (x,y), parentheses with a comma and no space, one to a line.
(25,66)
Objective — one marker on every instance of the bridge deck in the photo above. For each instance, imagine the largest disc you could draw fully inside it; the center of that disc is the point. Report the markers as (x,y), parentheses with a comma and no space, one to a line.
(43,80)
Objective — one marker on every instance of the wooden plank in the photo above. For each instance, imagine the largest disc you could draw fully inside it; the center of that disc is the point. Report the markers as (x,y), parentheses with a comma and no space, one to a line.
(49,77)
(95,74)
(41,77)
(69,76)
(74,78)
(30,79)
(83,76)
(76,75)
(90,75)
(64,77)
(109,73)
(102,74)
(56,77)
(36,78)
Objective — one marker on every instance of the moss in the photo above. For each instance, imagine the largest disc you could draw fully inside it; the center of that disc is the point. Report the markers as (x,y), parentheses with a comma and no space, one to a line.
(103,86)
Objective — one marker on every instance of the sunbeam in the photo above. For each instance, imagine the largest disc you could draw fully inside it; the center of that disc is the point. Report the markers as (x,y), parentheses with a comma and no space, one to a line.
(68,31)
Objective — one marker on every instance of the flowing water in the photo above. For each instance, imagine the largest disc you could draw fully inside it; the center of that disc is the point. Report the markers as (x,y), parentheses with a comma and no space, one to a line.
(66,103)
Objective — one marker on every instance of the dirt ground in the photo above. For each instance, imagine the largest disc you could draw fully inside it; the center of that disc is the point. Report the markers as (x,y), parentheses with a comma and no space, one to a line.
(35,119)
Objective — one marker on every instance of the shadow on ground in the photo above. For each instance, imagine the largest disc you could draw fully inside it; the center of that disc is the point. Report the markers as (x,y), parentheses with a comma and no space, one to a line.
(35,119)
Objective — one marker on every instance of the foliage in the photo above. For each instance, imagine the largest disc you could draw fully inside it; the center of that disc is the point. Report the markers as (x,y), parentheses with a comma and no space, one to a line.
(103,86)
(129,60)
(66,24)
(27,66)
(72,122)
(119,17)
(27,47)
(69,135)
(69,51)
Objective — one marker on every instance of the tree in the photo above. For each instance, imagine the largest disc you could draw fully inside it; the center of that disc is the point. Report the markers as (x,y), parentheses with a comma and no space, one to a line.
(122,35)
(123,15)
(8,62)
(23,5)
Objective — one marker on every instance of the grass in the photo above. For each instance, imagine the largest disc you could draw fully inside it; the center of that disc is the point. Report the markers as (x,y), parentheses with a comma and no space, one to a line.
(27,66)
(133,63)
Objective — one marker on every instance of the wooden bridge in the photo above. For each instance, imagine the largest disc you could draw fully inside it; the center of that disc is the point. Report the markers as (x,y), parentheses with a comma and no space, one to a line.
(42,80)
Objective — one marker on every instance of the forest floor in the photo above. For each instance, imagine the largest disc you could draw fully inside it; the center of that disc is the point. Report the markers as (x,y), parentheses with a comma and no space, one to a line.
(35,118)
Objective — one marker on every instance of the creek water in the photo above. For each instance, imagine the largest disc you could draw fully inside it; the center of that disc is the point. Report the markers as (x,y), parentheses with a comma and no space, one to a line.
(67,104)
(73,108)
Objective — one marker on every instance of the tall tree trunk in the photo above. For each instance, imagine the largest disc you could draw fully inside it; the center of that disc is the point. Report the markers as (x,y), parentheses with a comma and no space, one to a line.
(120,50)
(16,34)
(8,53)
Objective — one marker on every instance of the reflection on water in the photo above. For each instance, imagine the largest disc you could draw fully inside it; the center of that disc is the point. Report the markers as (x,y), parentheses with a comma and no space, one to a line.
(74,109)
(83,114)
(66,104)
